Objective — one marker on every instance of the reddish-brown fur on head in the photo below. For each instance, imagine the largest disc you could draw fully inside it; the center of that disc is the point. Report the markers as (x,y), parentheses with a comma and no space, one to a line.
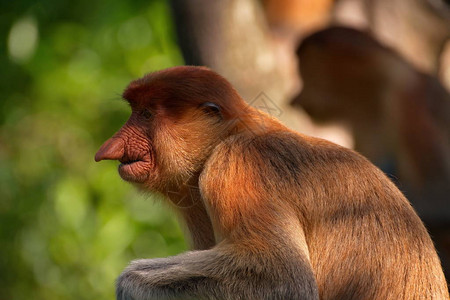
(176,89)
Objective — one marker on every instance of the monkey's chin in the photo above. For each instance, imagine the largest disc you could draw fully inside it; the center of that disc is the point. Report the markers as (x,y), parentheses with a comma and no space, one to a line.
(137,172)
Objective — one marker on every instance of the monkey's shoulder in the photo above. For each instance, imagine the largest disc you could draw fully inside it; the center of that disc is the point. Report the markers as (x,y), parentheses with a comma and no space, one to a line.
(284,152)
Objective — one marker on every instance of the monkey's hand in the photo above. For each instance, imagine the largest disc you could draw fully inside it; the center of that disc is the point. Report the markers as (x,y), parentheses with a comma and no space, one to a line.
(163,278)
(217,274)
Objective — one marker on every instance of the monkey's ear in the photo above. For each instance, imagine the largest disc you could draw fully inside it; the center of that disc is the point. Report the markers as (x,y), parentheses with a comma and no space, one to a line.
(212,108)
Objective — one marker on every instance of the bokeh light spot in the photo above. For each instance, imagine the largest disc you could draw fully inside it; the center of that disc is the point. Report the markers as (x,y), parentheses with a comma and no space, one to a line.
(23,39)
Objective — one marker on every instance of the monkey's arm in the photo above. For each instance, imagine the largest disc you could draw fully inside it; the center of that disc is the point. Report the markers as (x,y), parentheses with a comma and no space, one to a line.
(224,272)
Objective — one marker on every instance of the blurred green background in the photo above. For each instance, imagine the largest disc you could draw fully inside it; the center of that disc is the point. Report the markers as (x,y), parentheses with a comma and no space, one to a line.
(68,226)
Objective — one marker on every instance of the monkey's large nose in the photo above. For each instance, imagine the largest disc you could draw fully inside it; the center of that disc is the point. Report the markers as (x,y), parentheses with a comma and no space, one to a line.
(112,149)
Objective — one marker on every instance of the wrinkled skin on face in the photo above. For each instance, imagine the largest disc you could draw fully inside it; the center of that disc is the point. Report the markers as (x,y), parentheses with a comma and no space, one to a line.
(132,147)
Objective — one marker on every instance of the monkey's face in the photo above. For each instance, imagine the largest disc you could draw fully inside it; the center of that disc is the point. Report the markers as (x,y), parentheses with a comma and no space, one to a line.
(173,128)
(158,150)
(341,80)
(321,95)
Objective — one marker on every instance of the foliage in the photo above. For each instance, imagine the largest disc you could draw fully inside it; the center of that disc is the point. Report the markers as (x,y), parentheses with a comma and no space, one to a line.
(68,226)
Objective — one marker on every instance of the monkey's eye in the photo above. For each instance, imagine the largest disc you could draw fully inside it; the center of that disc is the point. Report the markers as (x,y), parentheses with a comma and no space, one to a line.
(211,108)
(146,114)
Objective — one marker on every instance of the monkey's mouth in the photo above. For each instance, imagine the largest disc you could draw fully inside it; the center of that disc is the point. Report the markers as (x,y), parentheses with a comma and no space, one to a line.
(137,170)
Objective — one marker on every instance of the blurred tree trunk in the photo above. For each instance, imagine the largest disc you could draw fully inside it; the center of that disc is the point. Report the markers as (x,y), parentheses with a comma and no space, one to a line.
(232,37)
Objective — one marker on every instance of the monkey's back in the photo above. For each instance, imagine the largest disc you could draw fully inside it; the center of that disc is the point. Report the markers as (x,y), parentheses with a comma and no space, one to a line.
(365,240)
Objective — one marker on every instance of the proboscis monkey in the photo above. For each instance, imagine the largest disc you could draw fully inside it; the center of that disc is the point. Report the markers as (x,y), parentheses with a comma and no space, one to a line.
(399,116)
(277,214)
